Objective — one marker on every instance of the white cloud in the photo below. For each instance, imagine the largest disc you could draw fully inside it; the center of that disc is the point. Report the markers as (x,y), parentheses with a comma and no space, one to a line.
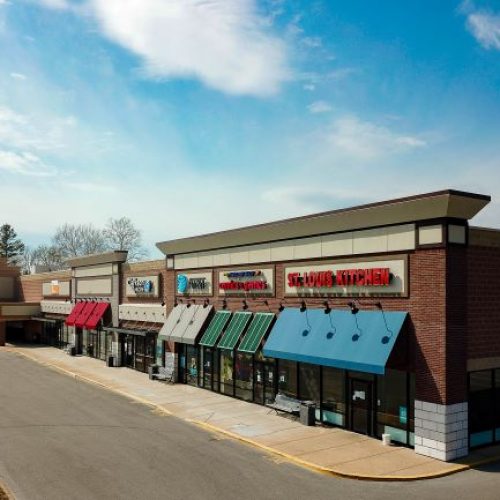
(28,132)
(18,76)
(223,43)
(364,140)
(25,163)
(485,28)
(319,107)
(55,4)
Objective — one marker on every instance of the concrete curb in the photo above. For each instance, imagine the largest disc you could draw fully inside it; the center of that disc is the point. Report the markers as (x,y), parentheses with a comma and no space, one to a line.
(251,442)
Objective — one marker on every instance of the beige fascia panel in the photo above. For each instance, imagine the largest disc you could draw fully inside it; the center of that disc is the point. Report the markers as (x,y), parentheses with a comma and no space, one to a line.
(442,204)
(101,258)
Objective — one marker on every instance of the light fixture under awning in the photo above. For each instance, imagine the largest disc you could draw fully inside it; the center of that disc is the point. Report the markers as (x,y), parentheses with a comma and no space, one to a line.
(361,341)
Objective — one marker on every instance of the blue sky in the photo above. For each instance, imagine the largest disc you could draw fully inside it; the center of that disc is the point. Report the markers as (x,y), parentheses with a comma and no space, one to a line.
(192,116)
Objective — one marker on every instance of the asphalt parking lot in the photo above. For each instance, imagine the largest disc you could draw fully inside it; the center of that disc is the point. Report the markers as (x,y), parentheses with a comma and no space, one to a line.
(65,439)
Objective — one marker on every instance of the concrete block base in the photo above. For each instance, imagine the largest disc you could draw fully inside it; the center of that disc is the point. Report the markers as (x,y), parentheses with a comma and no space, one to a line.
(441,431)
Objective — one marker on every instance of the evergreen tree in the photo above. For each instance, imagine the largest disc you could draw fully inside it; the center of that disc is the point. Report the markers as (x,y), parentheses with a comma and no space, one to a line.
(10,245)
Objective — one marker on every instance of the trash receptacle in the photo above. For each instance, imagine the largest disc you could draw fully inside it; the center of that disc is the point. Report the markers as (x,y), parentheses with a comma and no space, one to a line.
(110,361)
(72,351)
(307,413)
(152,370)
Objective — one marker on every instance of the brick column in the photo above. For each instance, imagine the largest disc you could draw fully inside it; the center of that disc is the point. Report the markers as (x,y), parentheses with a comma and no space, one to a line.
(441,416)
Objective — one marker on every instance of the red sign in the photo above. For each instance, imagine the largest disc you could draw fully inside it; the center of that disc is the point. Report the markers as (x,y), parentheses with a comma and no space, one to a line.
(243,285)
(377,276)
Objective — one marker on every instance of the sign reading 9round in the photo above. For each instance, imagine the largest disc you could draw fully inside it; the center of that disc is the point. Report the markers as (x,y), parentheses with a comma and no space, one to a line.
(182,283)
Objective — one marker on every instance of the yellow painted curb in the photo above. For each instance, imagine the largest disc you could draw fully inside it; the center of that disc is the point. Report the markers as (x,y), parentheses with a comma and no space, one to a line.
(326,470)
(303,463)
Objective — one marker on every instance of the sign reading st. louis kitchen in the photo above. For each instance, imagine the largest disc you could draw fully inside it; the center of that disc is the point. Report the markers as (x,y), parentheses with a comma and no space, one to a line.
(372,278)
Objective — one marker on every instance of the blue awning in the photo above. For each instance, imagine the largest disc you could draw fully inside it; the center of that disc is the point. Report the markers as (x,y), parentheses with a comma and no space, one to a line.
(361,342)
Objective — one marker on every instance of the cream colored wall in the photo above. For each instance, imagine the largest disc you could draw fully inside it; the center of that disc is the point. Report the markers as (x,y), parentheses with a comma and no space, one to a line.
(456,234)
(386,239)
(429,235)
(142,312)
(56,306)
(102,286)
(64,289)
(19,310)
(100,270)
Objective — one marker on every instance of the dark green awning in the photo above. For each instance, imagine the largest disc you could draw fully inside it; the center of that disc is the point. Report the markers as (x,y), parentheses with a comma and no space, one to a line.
(237,326)
(215,328)
(256,332)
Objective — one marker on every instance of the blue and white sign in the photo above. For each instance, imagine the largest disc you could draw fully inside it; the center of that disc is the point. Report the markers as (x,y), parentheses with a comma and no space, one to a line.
(142,286)
(182,283)
(194,284)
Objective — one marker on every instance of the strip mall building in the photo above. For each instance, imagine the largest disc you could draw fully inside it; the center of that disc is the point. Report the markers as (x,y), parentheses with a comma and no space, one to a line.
(384,316)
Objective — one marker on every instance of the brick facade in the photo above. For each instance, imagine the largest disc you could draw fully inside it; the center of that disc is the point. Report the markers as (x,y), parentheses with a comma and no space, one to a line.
(483,311)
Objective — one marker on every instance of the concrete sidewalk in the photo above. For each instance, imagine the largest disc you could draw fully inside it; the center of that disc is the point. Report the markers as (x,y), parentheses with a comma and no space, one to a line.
(328,450)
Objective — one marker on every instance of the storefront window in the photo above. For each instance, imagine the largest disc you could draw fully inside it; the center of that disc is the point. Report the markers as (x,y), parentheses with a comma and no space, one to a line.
(481,408)
(309,383)
(497,405)
(393,410)
(226,372)
(333,397)
(287,378)
(207,367)
(192,365)
(244,376)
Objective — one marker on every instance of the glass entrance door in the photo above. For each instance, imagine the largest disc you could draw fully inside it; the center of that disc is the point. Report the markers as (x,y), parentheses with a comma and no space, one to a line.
(361,406)
(265,382)
(128,351)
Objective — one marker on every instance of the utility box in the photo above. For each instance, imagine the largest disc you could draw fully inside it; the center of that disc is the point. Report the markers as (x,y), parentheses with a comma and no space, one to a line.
(307,413)
(152,370)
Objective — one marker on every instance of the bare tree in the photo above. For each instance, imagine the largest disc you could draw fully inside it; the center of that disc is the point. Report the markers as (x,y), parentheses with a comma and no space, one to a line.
(121,234)
(47,256)
(76,240)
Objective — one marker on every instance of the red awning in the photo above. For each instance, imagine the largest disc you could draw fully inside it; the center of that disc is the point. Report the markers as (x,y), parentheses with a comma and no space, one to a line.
(96,315)
(77,309)
(85,314)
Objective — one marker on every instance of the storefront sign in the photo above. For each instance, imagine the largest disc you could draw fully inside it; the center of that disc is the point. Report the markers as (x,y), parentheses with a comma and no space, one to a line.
(142,286)
(194,284)
(371,278)
(249,281)
(56,288)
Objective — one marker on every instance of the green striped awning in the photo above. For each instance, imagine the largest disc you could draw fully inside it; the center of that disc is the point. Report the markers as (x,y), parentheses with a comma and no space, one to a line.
(212,333)
(237,326)
(256,331)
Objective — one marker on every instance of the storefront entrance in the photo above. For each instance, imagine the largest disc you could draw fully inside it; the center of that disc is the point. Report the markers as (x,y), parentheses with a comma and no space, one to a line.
(189,364)
(265,382)
(361,406)
(138,351)
(98,344)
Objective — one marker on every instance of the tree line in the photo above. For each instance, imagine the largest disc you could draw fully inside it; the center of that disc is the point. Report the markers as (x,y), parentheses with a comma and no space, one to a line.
(70,240)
